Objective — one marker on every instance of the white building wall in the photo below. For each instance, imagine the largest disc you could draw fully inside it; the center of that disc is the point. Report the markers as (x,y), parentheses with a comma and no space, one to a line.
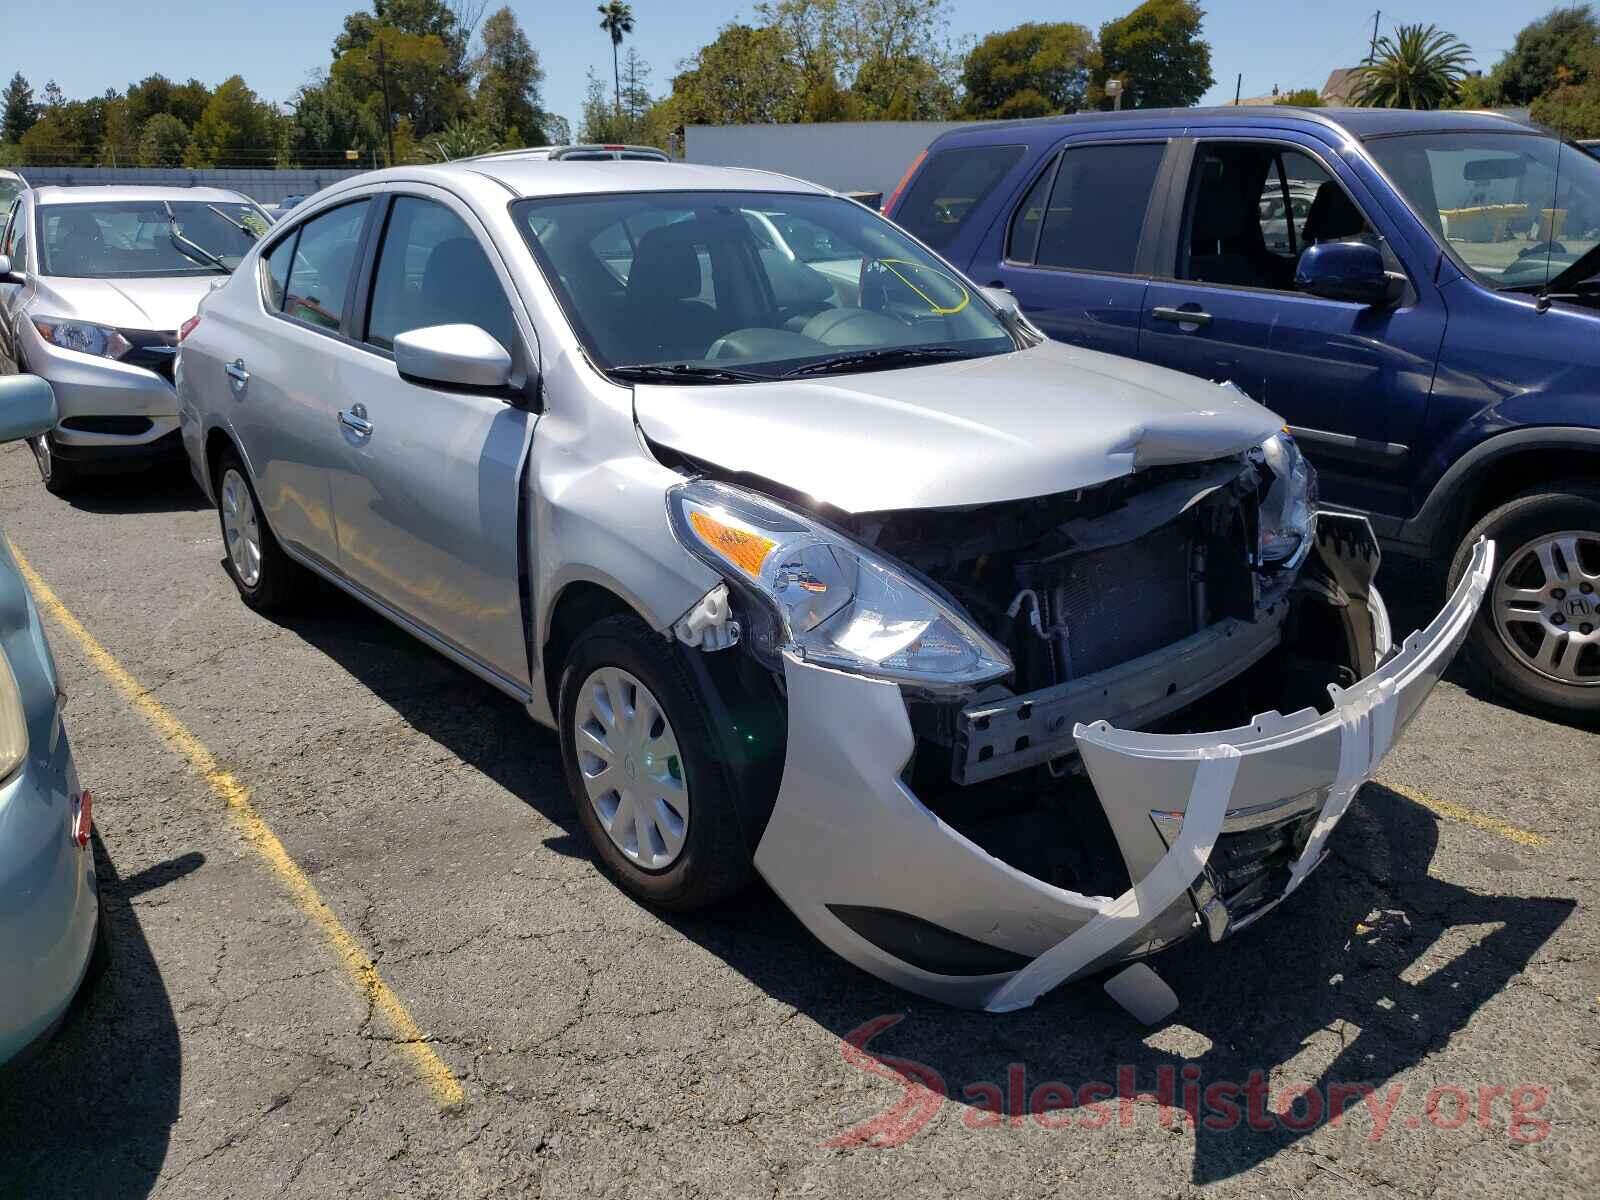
(849,156)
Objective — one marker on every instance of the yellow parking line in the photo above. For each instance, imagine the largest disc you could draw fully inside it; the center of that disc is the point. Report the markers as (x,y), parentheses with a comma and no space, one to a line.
(1454,812)
(439,1078)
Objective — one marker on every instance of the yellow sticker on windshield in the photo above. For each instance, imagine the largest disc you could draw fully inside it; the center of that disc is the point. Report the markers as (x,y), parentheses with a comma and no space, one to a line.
(922,270)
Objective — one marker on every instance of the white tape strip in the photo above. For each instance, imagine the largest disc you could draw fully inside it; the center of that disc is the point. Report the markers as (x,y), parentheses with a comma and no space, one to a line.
(1215,771)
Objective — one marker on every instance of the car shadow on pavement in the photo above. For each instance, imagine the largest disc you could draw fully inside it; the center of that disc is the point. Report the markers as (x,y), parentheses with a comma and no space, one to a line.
(163,489)
(1372,966)
(92,1113)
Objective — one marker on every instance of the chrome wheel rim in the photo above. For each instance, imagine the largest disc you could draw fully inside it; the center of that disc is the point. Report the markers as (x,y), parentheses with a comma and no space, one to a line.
(1547,606)
(632,772)
(240,529)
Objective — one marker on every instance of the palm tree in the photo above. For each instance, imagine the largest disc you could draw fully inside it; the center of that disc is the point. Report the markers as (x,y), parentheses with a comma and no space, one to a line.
(616,18)
(1421,66)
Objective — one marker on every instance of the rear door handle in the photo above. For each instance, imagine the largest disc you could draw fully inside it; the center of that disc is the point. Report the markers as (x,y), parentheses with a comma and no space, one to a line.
(355,420)
(237,375)
(1181,316)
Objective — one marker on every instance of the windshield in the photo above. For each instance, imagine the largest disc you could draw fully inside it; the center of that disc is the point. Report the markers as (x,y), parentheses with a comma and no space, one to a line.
(10,188)
(733,286)
(134,238)
(1497,201)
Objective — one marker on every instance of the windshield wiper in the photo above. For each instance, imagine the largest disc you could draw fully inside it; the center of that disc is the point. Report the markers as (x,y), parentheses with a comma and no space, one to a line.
(239,225)
(887,356)
(192,249)
(684,373)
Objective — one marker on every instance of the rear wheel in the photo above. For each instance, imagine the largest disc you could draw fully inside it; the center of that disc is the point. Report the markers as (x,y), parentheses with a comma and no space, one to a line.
(1537,638)
(637,746)
(61,477)
(268,579)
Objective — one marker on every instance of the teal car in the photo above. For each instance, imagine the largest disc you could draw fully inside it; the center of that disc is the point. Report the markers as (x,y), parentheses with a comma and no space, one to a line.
(50,927)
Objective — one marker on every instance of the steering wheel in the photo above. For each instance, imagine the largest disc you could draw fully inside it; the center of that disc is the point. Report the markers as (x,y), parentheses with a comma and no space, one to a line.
(1551,247)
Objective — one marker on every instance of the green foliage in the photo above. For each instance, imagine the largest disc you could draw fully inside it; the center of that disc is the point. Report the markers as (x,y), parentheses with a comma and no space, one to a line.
(1553,52)
(1032,70)
(1420,66)
(1301,98)
(119,141)
(509,77)
(461,140)
(904,89)
(19,110)
(162,141)
(235,130)
(1157,52)
(748,74)
(158,94)
(616,18)
(424,88)
(329,120)
(1478,91)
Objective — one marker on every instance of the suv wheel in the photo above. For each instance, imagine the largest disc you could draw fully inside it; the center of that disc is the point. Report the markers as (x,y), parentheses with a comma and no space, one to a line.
(61,478)
(636,744)
(268,579)
(1537,638)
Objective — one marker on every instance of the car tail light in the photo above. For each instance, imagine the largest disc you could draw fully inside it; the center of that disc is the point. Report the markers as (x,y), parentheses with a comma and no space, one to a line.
(188,327)
(899,188)
(83,820)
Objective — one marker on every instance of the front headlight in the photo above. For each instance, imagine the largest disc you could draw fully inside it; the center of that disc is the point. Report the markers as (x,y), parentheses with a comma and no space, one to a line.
(1288,512)
(13,722)
(83,337)
(836,603)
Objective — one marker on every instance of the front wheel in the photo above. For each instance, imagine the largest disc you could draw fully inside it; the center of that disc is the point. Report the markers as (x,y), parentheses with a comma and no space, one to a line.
(1536,640)
(60,477)
(638,750)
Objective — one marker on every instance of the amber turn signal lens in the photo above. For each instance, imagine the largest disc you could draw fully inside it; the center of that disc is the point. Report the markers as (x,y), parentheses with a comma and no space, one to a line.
(743,549)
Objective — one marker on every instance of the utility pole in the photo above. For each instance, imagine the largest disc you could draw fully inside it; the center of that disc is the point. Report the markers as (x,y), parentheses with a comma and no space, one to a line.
(1372,51)
(388,117)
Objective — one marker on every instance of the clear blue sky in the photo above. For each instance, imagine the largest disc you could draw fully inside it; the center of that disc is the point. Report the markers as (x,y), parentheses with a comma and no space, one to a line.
(90,45)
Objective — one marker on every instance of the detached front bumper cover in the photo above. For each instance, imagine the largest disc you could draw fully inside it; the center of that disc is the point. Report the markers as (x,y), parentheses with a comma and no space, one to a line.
(847,836)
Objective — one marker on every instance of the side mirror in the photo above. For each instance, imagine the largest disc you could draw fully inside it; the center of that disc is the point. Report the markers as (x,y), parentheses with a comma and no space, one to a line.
(1003,299)
(453,355)
(27,407)
(1350,271)
(7,274)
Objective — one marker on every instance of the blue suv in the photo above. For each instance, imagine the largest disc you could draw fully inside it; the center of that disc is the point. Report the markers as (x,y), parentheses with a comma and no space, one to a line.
(1416,293)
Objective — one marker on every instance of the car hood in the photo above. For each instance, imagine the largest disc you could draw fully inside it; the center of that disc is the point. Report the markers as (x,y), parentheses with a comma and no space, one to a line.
(155,304)
(1048,419)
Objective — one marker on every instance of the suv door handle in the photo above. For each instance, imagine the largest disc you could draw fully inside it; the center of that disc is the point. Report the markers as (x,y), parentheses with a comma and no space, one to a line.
(237,376)
(355,420)
(1181,316)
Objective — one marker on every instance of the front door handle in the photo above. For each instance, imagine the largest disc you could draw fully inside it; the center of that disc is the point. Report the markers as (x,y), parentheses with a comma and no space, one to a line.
(1182,316)
(238,377)
(355,420)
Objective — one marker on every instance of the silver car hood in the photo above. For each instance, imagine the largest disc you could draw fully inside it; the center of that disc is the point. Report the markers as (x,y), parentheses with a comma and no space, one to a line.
(1049,419)
(159,304)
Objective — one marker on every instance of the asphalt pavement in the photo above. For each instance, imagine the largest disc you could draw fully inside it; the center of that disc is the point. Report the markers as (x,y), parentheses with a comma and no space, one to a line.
(360,949)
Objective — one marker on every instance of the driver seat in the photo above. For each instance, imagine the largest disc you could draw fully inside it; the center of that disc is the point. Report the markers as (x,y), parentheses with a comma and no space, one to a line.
(78,243)
(664,284)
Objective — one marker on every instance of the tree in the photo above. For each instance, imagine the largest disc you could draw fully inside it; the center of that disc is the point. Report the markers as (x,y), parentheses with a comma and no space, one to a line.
(616,18)
(1420,66)
(54,97)
(423,89)
(162,141)
(20,112)
(461,140)
(902,89)
(1552,52)
(864,58)
(119,142)
(235,130)
(600,120)
(329,120)
(746,75)
(1301,98)
(1157,52)
(51,142)
(509,76)
(636,98)
(158,94)
(1029,71)
(419,18)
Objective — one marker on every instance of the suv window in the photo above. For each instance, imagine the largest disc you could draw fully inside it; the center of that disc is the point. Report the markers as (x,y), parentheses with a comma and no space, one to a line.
(324,261)
(432,271)
(951,184)
(1097,207)
(1253,207)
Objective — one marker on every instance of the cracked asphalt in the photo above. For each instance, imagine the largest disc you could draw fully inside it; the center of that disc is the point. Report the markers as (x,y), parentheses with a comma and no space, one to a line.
(604,1049)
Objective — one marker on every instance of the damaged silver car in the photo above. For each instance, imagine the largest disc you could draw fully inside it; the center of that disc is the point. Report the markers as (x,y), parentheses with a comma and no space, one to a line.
(1003,662)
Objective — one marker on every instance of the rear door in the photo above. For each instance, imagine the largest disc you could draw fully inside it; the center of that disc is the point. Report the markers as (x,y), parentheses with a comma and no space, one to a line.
(1352,381)
(1076,252)
(426,493)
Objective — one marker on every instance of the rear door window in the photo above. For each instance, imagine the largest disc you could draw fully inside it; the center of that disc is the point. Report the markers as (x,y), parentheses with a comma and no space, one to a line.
(950,187)
(1097,208)
(324,263)
(277,272)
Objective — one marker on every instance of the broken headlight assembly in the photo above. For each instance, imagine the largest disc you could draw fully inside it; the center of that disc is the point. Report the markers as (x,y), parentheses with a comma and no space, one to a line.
(831,602)
(1288,510)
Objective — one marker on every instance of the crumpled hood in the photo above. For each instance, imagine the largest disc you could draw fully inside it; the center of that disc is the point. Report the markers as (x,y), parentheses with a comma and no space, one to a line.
(160,304)
(1048,419)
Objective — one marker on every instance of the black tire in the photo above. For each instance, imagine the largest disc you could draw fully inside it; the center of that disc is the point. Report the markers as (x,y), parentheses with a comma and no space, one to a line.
(61,477)
(1568,505)
(282,582)
(714,862)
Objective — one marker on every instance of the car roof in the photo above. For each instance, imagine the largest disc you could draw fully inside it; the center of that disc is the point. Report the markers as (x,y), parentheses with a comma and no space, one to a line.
(525,178)
(102,193)
(1357,122)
